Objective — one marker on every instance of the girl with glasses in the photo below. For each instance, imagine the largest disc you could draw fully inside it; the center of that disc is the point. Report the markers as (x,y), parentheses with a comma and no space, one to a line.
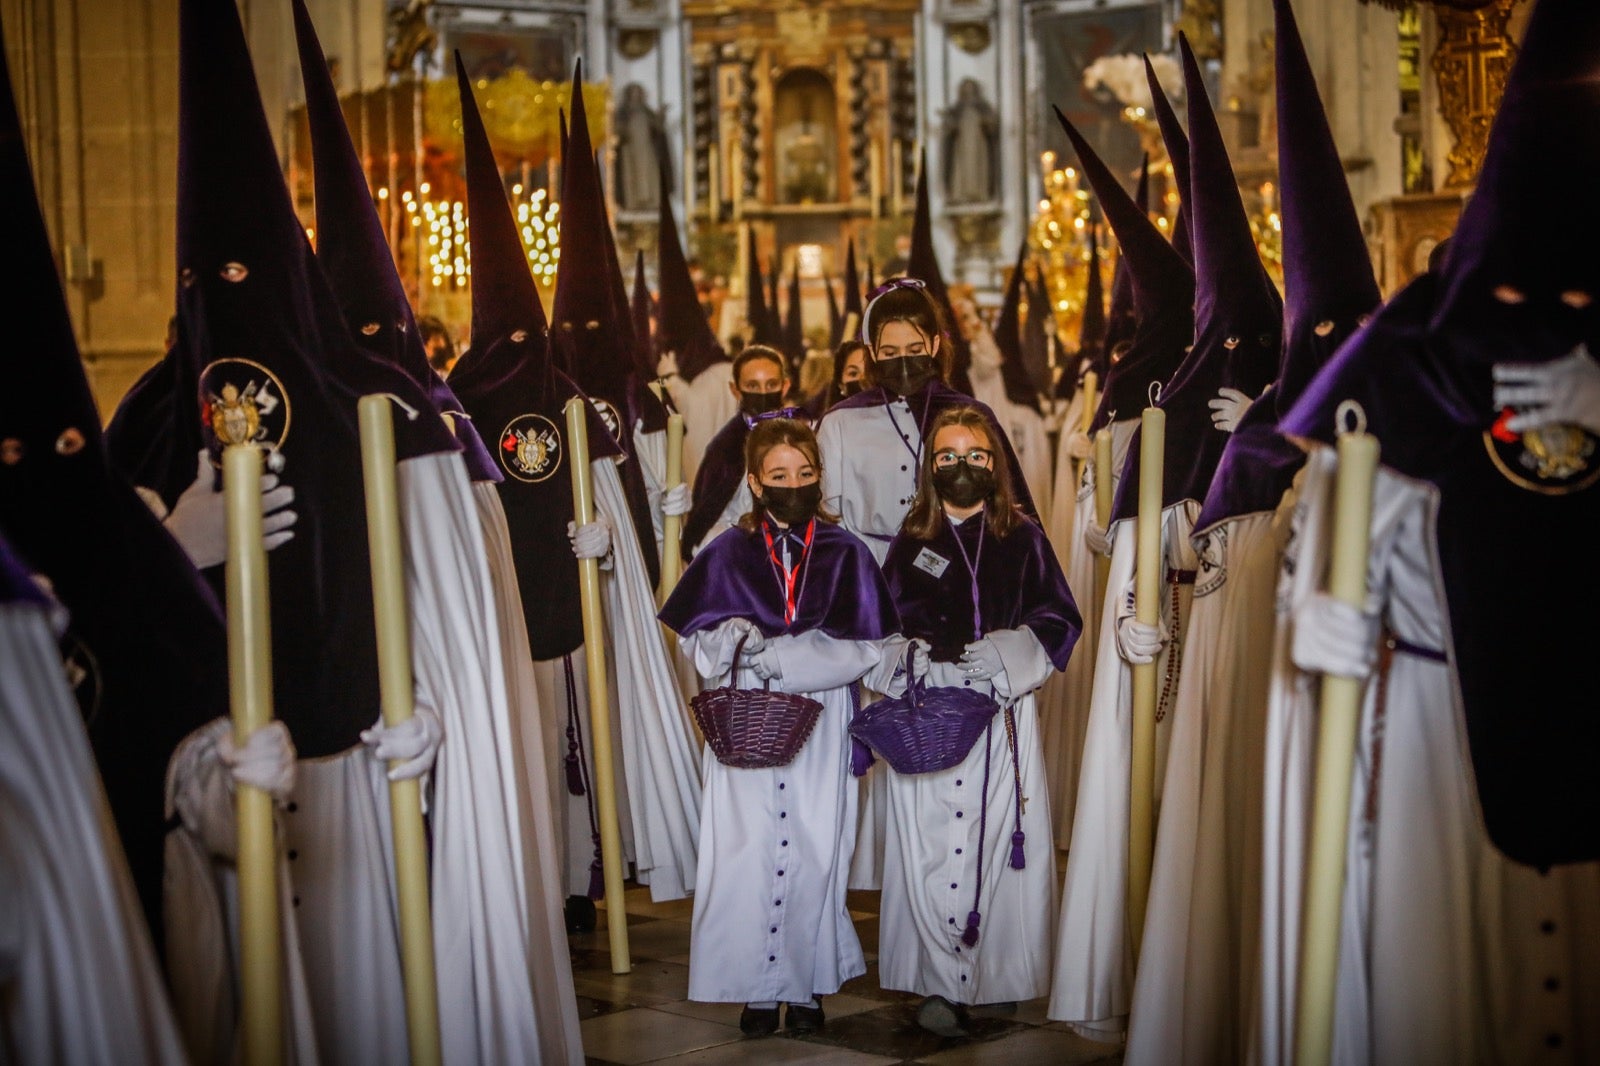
(969,886)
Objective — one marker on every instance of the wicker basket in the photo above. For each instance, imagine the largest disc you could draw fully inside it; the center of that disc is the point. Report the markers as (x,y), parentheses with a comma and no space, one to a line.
(925,730)
(754,729)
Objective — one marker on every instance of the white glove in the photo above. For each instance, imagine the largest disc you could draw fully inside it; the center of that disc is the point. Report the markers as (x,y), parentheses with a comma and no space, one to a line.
(735,628)
(1564,391)
(1138,642)
(1080,445)
(980,661)
(266,761)
(676,501)
(764,662)
(917,652)
(1098,539)
(1228,408)
(415,740)
(199,520)
(1332,637)
(592,540)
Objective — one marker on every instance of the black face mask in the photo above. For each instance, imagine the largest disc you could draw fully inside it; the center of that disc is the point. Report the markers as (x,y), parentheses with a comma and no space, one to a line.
(905,374)
(792,505)
(759,403)
(963,485)
(848,389)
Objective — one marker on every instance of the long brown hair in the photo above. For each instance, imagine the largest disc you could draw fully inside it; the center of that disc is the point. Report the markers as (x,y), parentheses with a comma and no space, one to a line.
(767,435)
(926,517)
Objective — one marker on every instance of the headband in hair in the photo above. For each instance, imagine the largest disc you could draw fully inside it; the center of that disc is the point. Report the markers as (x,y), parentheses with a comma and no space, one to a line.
(877,294)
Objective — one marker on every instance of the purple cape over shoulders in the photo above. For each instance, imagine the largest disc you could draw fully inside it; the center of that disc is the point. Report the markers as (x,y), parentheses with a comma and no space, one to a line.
(839,590)
(1020,583)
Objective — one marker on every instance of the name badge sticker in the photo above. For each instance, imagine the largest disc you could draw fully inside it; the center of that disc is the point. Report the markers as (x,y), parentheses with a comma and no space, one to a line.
(931,562)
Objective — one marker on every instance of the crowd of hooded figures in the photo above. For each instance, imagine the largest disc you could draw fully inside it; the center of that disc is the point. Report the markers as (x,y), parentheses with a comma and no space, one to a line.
(909,584)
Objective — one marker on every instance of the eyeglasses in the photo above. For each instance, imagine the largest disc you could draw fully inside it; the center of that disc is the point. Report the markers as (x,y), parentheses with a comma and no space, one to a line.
(976,457)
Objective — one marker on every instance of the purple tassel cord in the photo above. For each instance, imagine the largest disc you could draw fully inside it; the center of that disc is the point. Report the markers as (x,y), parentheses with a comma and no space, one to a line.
(597,874)
(1018,861)
(574,766)
(969,936)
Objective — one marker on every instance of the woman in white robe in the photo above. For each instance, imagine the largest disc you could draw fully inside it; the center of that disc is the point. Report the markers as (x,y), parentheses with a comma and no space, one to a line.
(969,882)
(808,605)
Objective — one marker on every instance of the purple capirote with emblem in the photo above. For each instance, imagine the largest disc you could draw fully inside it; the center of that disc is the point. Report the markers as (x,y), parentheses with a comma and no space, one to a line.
(515,394)
(1517,511)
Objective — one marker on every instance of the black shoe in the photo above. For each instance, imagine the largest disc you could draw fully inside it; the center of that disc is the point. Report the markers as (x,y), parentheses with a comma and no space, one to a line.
(941,1017)
(581,916)
(798,1018)
(758,1021)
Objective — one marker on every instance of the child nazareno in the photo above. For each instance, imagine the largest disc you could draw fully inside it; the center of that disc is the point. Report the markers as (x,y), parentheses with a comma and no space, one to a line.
(810,607)
(969,887)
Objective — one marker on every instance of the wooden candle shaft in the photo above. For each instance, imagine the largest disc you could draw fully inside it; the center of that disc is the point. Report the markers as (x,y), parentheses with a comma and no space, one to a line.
(250,698)
(1338,718)
(1147,609)
(387,554)
(594,654)
(672,525)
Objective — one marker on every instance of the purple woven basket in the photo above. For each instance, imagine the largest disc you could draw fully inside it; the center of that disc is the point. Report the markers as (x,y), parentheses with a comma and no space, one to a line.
(754,729)
(925,730)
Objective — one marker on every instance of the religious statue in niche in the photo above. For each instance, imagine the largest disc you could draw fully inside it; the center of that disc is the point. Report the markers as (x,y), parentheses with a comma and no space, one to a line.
(641,142)
(971,133)
(805,148)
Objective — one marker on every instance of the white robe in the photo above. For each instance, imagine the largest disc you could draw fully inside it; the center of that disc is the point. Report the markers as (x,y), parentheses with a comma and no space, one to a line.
(771,922)
(1197,960)
(1445,954)
(706,404)
(655,751)
(1094,956)
(941,823)
(1064,700)
(869,478)
(549,964)
(1027,428)
(335,829)
(78,977)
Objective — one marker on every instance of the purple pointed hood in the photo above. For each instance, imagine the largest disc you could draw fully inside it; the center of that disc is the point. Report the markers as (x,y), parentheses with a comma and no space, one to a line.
(1122,317)
(794,330)
(923,264)
(1037,329)
(590,337)
(354,252)
(1177,145)
(681,325)
(1329,286)
(1519,284)
(1238,314)
(1162,287)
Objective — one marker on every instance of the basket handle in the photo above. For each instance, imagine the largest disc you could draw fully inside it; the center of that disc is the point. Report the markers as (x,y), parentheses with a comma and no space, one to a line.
(912,684)
(738,653)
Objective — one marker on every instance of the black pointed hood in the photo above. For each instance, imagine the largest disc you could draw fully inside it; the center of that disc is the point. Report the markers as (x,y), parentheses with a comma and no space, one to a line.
(682,327)
(757,315)
(835,317)
(1008,335)
(794,332)
(1177,145)
(354,252)
(1091,328)
(1037,330)
(923,264)
(1122,316)
(644,314)
(852,284)
(144,629)
(1162,286)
